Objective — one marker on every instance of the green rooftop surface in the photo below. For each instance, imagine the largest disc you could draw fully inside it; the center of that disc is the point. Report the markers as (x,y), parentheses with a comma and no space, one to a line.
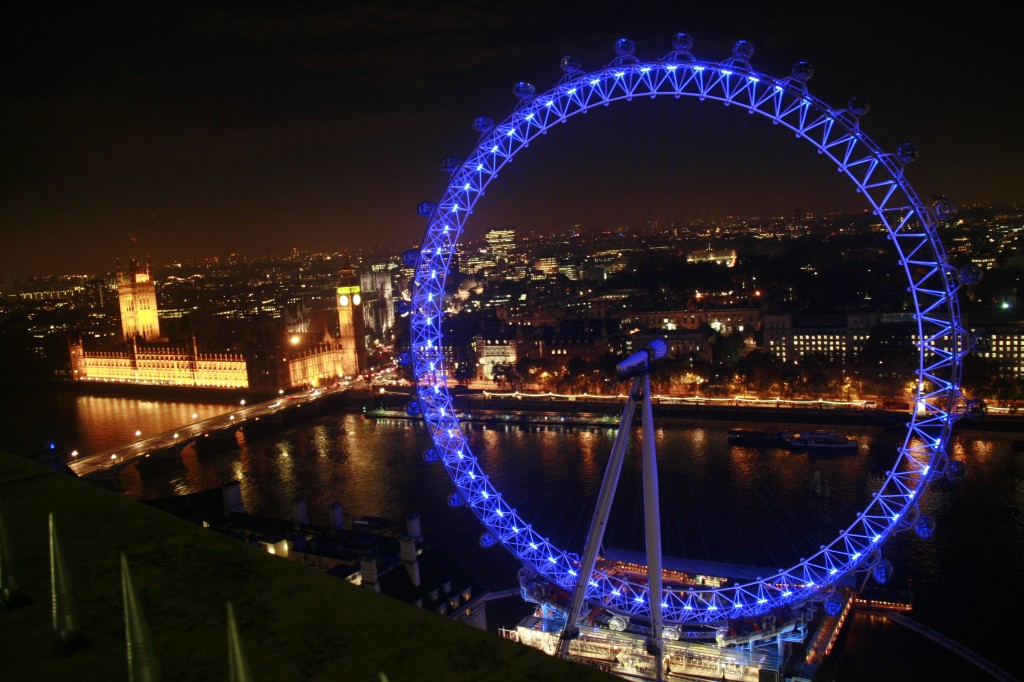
(294,622)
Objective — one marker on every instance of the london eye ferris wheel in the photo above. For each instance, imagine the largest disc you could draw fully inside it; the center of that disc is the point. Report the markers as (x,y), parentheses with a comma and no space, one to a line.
(911,229)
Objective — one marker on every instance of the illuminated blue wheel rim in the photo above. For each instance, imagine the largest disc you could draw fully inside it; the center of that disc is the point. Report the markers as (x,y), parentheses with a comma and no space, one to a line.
(878,176)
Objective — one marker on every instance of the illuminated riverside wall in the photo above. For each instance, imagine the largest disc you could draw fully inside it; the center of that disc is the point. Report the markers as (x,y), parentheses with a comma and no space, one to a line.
(169,366)
(162,365)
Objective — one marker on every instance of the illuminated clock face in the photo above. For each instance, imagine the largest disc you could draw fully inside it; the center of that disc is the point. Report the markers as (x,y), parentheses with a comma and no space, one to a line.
(356,299)
(343,300)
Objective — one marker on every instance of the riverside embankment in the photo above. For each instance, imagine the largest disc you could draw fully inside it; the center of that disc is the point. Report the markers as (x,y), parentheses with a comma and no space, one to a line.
(779,413)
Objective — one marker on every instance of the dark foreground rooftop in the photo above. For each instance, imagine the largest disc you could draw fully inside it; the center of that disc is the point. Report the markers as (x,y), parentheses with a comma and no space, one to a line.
(295,623)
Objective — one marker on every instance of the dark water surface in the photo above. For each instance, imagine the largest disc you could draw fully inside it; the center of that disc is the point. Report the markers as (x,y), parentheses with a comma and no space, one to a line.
(766,507)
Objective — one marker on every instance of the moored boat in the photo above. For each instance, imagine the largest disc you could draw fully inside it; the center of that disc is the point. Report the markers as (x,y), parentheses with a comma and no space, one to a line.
(822,442)
(759,438)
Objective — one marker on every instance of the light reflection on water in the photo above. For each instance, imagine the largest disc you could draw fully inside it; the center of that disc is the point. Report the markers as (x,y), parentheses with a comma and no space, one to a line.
(89,423)
(766,507)
(745,505)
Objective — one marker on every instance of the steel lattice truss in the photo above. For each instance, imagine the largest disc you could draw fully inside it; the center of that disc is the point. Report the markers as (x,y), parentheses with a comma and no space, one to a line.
(879,177)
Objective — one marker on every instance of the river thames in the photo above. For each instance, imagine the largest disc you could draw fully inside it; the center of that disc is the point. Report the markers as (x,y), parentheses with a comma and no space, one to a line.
(721,502)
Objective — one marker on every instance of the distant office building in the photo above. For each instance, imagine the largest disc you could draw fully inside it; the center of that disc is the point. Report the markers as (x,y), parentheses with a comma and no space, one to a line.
(726,257)
(501,244)
(722,320)
(840,336)
(480,261)
(571,271)
(545,267)
(492,351)
(685,343)
(586,343)
(1000,342)
(496,252)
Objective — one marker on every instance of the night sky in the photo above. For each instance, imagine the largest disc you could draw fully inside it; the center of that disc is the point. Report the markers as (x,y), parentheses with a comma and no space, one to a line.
(183,131)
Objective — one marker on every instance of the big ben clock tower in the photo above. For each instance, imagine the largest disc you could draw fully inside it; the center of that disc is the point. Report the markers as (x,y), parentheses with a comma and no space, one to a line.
(351,324)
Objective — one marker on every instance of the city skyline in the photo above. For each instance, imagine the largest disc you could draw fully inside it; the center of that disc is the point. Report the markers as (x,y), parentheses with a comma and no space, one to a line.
(191,135)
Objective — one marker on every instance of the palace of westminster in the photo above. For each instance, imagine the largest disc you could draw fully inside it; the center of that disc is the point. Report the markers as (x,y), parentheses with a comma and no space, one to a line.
(301,349)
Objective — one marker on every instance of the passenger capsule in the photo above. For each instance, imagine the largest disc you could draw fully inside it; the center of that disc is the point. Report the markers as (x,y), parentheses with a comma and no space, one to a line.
(833,604)
(425,208)
(618,623)
(945,209)
(430,455)
(482,124)
(882,571)
(803,71)
(571,64)
(907,153)
(450,164)
(682,42)
(455,500)
(858,106)
(404,357)
(924,527)
(970,274)
(410,257)
(743,49)
(524,90)
(624,47)
(413,408)
(956,471)
(488,540)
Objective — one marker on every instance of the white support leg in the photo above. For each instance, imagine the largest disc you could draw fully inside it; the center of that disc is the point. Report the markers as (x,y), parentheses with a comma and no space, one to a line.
(652,527)
(598,524)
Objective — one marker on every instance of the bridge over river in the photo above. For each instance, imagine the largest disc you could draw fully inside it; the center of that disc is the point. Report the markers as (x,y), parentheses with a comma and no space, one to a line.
(217,432)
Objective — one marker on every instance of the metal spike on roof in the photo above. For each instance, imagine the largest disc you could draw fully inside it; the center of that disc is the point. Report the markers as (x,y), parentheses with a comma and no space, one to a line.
(142,663)
(238,665)
(63,606)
